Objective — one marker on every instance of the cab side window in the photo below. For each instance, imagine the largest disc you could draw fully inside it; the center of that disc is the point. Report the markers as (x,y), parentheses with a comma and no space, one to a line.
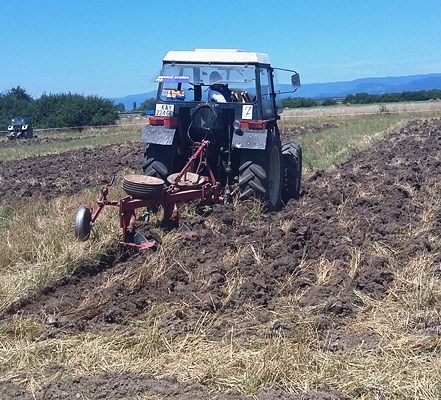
(266,94)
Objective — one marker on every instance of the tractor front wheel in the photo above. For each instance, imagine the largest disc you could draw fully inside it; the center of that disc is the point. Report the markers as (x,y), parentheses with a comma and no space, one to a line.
(260,174)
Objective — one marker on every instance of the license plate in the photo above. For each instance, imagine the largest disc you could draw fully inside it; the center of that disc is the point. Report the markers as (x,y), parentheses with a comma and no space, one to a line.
(164,110)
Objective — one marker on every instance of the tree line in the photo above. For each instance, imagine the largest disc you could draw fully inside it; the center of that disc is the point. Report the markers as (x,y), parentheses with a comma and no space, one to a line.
(74,110)
(56,110)
(363,98)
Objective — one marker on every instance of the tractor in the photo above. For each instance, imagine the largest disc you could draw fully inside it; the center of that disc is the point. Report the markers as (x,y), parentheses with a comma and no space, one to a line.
(20,128)
(214,132)
(245,147)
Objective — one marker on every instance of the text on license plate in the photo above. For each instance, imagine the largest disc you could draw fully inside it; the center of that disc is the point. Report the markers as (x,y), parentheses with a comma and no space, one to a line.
(164,110)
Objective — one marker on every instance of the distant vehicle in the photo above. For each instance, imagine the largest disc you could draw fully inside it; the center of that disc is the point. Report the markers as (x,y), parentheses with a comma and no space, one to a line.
(20,128)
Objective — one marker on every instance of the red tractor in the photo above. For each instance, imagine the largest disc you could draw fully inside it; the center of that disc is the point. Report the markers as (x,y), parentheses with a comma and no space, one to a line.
(241,124)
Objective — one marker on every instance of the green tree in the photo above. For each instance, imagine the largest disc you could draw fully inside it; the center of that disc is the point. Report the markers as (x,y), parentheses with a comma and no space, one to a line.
(329,102)
(74,110)
(13,103)
(57,110)
(148,104)
(298,102)
(120,107)
(19,94)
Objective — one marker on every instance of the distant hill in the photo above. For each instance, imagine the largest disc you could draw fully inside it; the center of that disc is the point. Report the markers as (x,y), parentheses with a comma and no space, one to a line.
(139,98)
(381,85)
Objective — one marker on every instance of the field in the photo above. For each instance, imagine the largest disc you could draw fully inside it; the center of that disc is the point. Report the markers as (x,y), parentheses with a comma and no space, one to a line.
(337,296)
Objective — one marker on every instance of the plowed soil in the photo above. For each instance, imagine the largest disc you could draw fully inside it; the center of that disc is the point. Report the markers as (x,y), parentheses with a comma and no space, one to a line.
(65,173)
(372,198)
(34,141)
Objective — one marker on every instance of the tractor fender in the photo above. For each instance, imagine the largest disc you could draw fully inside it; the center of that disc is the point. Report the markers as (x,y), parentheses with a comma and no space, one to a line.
(250,139)
(158,135)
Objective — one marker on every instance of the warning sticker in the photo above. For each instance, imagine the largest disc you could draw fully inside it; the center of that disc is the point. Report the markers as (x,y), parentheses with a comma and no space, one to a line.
(247,112)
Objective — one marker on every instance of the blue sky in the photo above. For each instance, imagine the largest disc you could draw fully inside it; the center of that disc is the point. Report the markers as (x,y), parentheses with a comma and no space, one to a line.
(112,48)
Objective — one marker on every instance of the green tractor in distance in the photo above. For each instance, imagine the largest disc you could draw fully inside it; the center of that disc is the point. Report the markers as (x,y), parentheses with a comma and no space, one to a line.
(20,128)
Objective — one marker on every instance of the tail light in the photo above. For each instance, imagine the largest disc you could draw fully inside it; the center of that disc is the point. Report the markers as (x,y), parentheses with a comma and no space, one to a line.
(253,124)
(168,122)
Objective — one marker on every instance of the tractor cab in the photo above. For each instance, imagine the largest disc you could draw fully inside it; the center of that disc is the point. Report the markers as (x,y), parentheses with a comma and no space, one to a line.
(225,96)
(192,83)
(185,80)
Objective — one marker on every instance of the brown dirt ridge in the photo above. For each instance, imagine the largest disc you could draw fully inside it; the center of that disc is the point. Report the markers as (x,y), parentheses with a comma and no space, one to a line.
(239,261)
(34,141)
(66,173)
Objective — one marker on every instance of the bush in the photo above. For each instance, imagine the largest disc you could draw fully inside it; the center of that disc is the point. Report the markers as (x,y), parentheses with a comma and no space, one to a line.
(365,98)
(57,110)
(15,102)
(298,102)
(329,102)
(148,104)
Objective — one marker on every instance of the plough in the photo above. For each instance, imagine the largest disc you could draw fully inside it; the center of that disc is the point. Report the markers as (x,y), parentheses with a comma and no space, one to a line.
(195,181)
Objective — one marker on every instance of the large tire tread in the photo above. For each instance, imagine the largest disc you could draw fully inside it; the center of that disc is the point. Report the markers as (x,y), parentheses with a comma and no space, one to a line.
(292,171)
(253,174)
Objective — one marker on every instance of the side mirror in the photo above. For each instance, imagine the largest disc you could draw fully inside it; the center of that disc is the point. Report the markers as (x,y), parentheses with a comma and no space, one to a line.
(295,81)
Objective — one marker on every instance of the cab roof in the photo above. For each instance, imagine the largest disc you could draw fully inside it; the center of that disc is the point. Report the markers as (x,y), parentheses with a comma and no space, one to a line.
(230,56)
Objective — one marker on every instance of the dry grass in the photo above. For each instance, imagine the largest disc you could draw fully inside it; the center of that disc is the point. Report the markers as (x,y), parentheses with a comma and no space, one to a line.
(39,247)
(421,109)
(404,366)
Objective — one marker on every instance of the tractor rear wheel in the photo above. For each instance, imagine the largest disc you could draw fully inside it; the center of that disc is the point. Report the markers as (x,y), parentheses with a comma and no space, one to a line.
(260,174)
(158,160)
(292,171)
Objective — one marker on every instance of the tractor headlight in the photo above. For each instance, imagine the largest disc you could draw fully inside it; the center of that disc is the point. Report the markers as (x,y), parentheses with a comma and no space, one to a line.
(236,125)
